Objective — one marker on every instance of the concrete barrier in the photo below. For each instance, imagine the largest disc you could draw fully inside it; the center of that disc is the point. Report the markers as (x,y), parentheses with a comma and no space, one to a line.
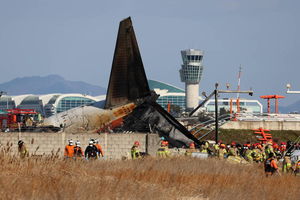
(272,125)
(115,145)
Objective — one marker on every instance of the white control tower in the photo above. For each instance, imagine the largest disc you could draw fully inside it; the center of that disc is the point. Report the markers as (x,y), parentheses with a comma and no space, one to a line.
(190,73)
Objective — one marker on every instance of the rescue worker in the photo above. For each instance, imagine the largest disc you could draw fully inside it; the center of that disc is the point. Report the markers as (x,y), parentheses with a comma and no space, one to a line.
(222,151)
(282,148)
(23,152)
(276,150)
(287,164)
(100,151)
(78,152)
(69,150)
(261,147)
(135,151)
(271,165)
(204,147)
(91,151)
(240,149)
(233,155)
(216,147)
(233,150)
(269,149)
(248,154)
(163,150)
(257,153)
(191,149)
(297,168)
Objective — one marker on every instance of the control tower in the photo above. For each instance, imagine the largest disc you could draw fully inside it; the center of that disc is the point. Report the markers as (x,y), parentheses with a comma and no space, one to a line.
(190,73)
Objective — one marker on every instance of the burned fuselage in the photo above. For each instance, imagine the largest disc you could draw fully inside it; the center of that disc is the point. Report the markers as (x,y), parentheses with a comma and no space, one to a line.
(129,104)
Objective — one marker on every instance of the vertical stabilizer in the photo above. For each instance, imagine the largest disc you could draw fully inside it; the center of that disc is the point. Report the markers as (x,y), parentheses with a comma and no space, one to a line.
(128,80)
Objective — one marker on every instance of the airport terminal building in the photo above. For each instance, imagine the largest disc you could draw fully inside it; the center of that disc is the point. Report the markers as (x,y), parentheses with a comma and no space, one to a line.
(51,104)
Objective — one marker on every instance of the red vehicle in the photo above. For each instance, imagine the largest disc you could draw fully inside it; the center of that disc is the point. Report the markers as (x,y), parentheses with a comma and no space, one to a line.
(14,119)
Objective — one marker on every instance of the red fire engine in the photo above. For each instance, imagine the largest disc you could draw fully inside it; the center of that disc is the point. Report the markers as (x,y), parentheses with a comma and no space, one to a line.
(16,118)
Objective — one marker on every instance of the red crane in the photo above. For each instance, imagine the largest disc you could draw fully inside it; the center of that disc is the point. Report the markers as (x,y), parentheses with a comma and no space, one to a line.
(276,97)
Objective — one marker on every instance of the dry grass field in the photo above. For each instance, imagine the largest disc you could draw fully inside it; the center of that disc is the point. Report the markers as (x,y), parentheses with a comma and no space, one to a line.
(175,178)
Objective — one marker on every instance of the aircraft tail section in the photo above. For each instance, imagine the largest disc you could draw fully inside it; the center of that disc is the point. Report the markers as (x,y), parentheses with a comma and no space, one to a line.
(128,80)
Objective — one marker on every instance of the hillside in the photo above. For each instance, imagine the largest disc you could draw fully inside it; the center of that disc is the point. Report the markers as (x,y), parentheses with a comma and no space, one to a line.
(49,84)
(295,107)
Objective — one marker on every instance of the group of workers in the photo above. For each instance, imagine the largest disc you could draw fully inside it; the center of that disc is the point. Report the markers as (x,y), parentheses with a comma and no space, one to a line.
(92,151)
(265,152)
(162,151)
(268,153)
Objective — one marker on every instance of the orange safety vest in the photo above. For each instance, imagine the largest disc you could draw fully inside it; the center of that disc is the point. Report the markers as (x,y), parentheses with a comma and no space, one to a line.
(69,151)
(100,149)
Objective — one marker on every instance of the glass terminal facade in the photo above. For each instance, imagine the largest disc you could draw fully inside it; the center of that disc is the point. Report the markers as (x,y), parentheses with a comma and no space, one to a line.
(246,106)
(6,102)
(68,103)
(55,104)
(32,102)
(168,94)
(172,99)
(61,103)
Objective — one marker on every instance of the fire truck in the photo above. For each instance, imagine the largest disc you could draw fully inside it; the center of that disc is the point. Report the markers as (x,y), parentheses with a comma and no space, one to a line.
(16,119)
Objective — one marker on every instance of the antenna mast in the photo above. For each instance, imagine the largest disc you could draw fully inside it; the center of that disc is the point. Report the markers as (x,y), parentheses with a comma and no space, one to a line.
(239,81)
(238,109)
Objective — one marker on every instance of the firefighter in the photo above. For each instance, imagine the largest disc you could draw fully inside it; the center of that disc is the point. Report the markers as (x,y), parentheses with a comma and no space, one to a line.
(100,151)
(257,153)
(271,165)
(135,151)
(222,151)
(69,150)
(23,152)
(204,148)
(248,154)
(91,151)
(297,168)
(287,164)
(78,152)
(163,150)
(191,149)
(282,148)
(269,149)
(233,150)
(216,147)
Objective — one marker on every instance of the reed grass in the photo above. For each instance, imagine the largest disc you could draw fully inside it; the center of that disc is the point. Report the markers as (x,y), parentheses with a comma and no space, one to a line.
(50,177)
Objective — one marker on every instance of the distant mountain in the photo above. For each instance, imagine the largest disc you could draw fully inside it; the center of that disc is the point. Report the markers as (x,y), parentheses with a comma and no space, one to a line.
(49,84)
(295,107)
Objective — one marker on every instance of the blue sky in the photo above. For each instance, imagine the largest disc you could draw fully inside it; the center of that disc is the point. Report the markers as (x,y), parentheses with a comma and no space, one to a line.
(76,39)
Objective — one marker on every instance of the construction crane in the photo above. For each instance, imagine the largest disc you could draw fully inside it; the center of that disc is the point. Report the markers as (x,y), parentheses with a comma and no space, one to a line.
(238,89)
(238,109)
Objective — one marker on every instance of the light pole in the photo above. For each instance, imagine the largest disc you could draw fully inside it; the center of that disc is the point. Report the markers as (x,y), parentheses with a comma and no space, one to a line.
(288,86)
(216,113)
(216,93)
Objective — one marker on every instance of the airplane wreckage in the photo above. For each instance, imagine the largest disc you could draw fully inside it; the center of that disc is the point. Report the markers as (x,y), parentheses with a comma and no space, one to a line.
(129,104)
